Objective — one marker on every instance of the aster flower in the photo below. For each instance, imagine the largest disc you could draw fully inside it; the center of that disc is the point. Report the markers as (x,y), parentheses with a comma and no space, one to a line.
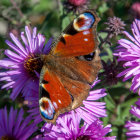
(23,62)
(111,70)
(128,51)
(77,6)
(90,112)
(14,126)
(115,26)
(68,128)
(133,127)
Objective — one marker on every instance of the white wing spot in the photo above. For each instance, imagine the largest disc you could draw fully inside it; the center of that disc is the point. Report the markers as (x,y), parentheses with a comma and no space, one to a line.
(86,32)
(59,101)
(85,39)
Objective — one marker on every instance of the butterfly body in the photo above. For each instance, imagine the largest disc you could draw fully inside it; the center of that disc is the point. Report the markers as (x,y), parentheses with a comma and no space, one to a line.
(67,73)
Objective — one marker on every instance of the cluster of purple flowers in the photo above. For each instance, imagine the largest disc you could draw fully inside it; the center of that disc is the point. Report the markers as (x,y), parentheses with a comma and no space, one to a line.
(14,126)
(128,52)
(134,126)
(21,73)
(67,128)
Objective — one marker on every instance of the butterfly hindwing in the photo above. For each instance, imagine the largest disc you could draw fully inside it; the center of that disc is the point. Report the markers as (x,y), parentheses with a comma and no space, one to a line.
(78,76)
(53,96)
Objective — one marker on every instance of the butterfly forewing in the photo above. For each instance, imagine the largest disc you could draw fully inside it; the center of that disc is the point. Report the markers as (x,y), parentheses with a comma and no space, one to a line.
(79,38)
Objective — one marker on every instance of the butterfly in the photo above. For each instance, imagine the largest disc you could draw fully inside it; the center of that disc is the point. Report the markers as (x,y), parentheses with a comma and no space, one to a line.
(70,67)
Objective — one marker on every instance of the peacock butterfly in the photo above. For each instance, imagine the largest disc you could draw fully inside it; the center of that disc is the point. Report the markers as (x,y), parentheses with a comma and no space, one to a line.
(70,67)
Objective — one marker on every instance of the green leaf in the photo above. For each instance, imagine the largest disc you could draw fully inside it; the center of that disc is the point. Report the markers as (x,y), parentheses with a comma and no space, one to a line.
(110,104)
(129,102)
(65,22)
(103,8)
(44,5)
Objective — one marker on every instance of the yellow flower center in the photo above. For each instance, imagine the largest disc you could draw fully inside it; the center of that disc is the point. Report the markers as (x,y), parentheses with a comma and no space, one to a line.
(33,63)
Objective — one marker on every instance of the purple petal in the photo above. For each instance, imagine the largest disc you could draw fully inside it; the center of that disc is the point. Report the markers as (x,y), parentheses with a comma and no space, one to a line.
(29,37)
(47,47)
(17,88)
(10,44)
(13,56)
(19,45)
(18,122)
(7,63)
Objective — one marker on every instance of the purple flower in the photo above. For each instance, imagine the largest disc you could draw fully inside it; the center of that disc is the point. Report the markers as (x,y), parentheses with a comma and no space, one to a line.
(115,26)
(135,9)
(76,6)
(68,128)
(110,72)
(90,112)
(14,126)
(128,51)
(23,62)
(133,127)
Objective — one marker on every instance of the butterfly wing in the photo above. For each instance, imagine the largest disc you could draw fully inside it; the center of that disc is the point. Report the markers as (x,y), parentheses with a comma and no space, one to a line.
(78,77)
(53,96)
(79,38)
(71,66)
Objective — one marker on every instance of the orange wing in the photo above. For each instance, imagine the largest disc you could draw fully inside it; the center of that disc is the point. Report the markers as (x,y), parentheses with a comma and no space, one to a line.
(79,38)
(79,44)
(53,96)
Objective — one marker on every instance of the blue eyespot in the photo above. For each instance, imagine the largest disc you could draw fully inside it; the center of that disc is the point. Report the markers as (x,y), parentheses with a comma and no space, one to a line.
(90,16)
(47,110)
(47,116)
(84,21)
